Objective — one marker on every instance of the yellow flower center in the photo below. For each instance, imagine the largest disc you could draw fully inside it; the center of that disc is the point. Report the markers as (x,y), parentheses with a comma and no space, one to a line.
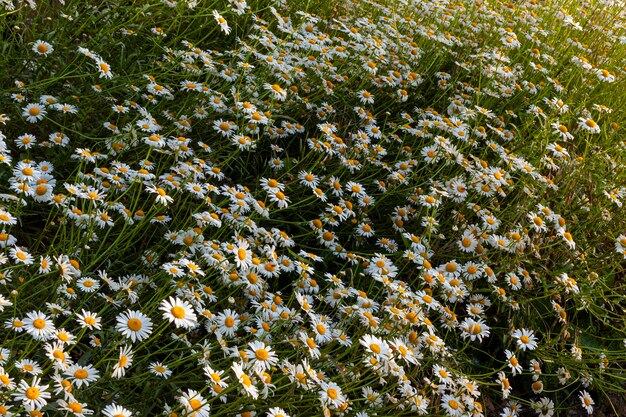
(134,324)
(178,312)
(332,393)
(195,404)
(474,328)
(75,407)
(262,354)
(39,323)
(81,374)
(32,393)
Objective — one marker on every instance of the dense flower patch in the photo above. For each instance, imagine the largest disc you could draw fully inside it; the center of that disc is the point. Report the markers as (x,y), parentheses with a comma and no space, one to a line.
(242,209)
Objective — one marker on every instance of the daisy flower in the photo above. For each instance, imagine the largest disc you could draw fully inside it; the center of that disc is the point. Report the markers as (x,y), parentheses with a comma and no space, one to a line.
(221,21)
(66,108)
(263,357)
(277,412)
(562,130)
(589,125)
(330,394)
(134,325)
(525,339)
(6,381)
(365,97)
(87,319)
(586,401)
(281,200)
(8,219)
(28,366)
(124,361)
(60,358)
(18,254)
(33,112)
(228,322)
(308,179)
(180,312)
(82,375)
(513,362)
(103,68)
(243,254)
(194,404)
(544,407)
(159,369)
(33,396)
(474,329)
(42,48)
(74,407)
(277,91)
(245,381)
(453,405)
(113,410)
(161,195)
(38,325)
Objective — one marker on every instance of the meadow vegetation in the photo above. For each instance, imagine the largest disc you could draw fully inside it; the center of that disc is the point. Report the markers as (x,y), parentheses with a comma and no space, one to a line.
(309,208)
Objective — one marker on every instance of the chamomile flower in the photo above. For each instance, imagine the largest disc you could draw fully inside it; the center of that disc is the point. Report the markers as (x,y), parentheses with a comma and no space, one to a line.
(588,124)
(262,356)
(587,401)
(194,404)
(89,320)
(33,396)
(562,131)
(221,22)
(82,375)
(114,410)
(161,194)
(474,329)
(453,405)
(245,381)
(74,407)
(20,255)
(103,68)
(34,112)
(179,312)
(38,325)
(227,322)
(6,381)
(513,362)
(42,48)
(330,394)
(365,97)
(124,361)
(277,412)
(134,325)
(525,339)
(159,369)
(276,90)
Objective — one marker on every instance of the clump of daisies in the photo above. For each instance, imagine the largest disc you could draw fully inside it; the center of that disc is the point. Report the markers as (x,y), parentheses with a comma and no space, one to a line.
(407,210)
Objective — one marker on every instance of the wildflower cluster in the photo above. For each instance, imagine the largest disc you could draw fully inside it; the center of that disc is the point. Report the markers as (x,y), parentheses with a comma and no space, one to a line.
(404,211)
